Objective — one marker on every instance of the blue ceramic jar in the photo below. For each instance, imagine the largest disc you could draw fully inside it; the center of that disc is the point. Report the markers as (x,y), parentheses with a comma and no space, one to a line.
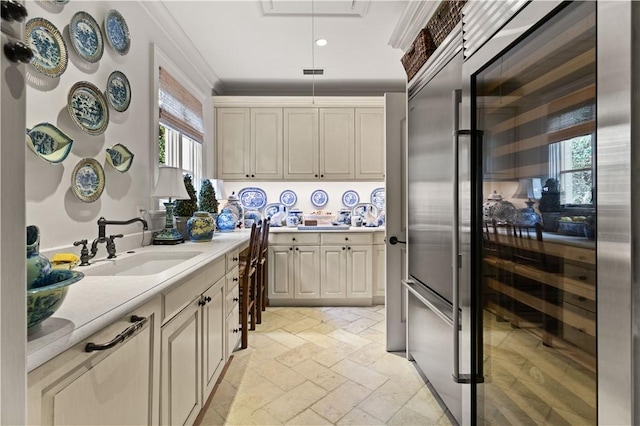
(226,221)
(200,227)
(294,218)
(37,265)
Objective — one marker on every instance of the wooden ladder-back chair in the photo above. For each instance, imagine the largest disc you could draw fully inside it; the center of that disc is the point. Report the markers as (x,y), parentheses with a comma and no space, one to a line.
(248,274)
(262,277)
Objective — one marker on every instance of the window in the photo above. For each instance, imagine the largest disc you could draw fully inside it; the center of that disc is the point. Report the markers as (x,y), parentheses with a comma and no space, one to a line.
(571,163)
(181,128)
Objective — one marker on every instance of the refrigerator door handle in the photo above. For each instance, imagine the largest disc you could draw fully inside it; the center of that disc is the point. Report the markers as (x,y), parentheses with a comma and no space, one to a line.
(456,99)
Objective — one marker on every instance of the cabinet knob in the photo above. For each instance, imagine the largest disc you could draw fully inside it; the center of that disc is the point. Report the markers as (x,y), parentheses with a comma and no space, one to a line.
(296,248)
(201,302)
(246,175)
(207,299)
(253,176)
(290,248)
(236,299)
(321,176)
(344,248)
(316,175)
(235,330)
(235,259)
(346,238)
(348,248)
(235,279)
(293,239)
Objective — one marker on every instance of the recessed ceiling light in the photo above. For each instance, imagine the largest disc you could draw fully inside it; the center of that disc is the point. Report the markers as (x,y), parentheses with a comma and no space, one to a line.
(321,42)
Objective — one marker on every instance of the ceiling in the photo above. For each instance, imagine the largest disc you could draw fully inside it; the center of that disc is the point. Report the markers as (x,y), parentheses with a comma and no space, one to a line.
(260,47)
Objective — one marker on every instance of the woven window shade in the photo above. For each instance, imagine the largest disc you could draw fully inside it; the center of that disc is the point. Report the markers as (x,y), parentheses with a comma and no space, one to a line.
(179,108)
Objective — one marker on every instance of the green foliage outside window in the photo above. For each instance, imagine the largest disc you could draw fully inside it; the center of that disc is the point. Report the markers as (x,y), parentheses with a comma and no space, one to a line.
(161,145)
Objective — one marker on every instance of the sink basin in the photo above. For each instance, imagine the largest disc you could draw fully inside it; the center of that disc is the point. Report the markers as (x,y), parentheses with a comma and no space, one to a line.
(141,263)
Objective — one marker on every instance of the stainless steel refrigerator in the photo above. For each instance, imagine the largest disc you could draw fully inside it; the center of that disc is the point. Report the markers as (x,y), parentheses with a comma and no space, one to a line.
(527,316)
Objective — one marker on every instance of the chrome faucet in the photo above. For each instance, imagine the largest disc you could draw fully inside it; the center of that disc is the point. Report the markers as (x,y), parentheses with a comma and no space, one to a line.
(109,241)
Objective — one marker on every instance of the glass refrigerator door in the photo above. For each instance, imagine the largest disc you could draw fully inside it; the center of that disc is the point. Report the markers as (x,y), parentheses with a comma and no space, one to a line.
(537,300)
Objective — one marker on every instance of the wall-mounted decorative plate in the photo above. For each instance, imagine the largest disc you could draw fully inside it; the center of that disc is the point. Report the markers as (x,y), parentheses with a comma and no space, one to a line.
(86,37)
(49,50)
(319,198)
(252,198)
(350,198)
(88,108)
(117,32)
(378,198)
(87,180)
(118,91)
(119,157)
(288,198)
(49,143)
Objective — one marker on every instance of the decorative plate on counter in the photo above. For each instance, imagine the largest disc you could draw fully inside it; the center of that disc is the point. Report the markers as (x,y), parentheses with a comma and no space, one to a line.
(319,198)
(86,37)
(49,50)
(350,198)
(49,143)
(88,108)
(272,209)
(119,91)
(377,198)
(87,180)
(119,157)
(117,32)
(252,198)
(288,198)
(362,208)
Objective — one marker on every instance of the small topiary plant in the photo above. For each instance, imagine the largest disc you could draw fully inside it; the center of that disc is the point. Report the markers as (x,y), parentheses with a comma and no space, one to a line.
(208,202)
(186,208)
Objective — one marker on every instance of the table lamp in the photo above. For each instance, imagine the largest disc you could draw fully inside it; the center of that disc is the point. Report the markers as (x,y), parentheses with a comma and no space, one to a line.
(531,190)
(171,186)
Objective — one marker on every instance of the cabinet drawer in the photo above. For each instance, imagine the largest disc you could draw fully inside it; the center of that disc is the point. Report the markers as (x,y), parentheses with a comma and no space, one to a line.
(197,283)
(378,238)
(232,280)
(295,238)
(233,298)
(233,256)
(233,330)
(346,238)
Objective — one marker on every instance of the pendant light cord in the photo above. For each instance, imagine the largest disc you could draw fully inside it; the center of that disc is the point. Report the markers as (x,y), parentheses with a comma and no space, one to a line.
(313,57)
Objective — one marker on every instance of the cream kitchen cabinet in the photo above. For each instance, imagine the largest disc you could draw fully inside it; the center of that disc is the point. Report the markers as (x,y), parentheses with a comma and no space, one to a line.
(232,306)
(294,266)
(369,144)
(379,267)
(114,383)
(301,144)
(249,143)
(337,139)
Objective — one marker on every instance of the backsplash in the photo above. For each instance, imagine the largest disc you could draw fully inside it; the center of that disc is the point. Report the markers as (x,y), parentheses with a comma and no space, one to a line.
(303,191)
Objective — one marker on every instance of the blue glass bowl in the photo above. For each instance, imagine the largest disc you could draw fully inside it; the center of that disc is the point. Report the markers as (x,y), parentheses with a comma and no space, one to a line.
(47,295)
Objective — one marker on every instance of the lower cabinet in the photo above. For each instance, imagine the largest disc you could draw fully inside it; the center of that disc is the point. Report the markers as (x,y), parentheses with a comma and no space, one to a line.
(115,385)
(192,355)
(346,271)
(294,272)
(359,271)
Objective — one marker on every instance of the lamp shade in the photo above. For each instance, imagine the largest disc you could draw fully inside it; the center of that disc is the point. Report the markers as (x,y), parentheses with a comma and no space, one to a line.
(530,188)
(170,184)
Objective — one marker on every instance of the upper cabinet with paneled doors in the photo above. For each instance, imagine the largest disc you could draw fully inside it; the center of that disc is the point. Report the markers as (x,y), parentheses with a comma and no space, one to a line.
(299,138)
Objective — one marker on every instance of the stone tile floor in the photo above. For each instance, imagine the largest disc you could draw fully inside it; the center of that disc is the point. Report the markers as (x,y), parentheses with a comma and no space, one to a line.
(321,366)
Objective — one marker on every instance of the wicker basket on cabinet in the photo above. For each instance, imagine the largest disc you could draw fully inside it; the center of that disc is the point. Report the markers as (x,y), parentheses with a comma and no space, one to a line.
(420,50)
(444,19)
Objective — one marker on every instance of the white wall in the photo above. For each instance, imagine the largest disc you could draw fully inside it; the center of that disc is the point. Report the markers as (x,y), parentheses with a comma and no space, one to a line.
(304,189)
(51,205)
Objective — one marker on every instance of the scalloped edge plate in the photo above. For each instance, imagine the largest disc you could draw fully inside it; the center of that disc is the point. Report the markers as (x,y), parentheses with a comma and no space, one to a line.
(114,14)
(93,24)
(119,76)
(374,195)
(61,142)
(288,192)
(36,61)
(319,203)
(95,92)
(347,193)
(255,190)
(126,157)
(88,197)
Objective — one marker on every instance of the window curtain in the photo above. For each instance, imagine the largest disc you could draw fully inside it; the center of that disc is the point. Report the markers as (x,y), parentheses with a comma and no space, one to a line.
(179,108)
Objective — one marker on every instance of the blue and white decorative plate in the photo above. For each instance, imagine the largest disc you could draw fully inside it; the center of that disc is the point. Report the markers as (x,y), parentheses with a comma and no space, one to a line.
(377,198)
(319,198)
(252,198)
(49,50)
(49,143)
(117,32)
(288,198)
(119,157)
(272,209)
(86,37)
(350,198)
(88,108)
(118,91)
(87,180)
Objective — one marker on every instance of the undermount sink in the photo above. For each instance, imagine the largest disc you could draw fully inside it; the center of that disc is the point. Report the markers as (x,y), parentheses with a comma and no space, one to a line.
(149,263)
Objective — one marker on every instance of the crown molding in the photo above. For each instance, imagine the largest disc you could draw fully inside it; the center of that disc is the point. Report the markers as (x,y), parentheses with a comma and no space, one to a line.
(161,16)
(297,101)
(414,18)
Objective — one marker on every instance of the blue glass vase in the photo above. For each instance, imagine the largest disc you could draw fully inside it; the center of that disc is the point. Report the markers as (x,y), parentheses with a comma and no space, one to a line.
(37,265)
(200,227)
(226,221)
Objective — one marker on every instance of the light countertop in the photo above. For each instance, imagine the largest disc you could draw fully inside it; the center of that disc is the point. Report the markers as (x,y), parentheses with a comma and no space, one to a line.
(97,301)
(285,229)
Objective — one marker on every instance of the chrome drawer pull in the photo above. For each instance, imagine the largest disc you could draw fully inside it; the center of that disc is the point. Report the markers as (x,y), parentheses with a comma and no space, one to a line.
(128,332)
